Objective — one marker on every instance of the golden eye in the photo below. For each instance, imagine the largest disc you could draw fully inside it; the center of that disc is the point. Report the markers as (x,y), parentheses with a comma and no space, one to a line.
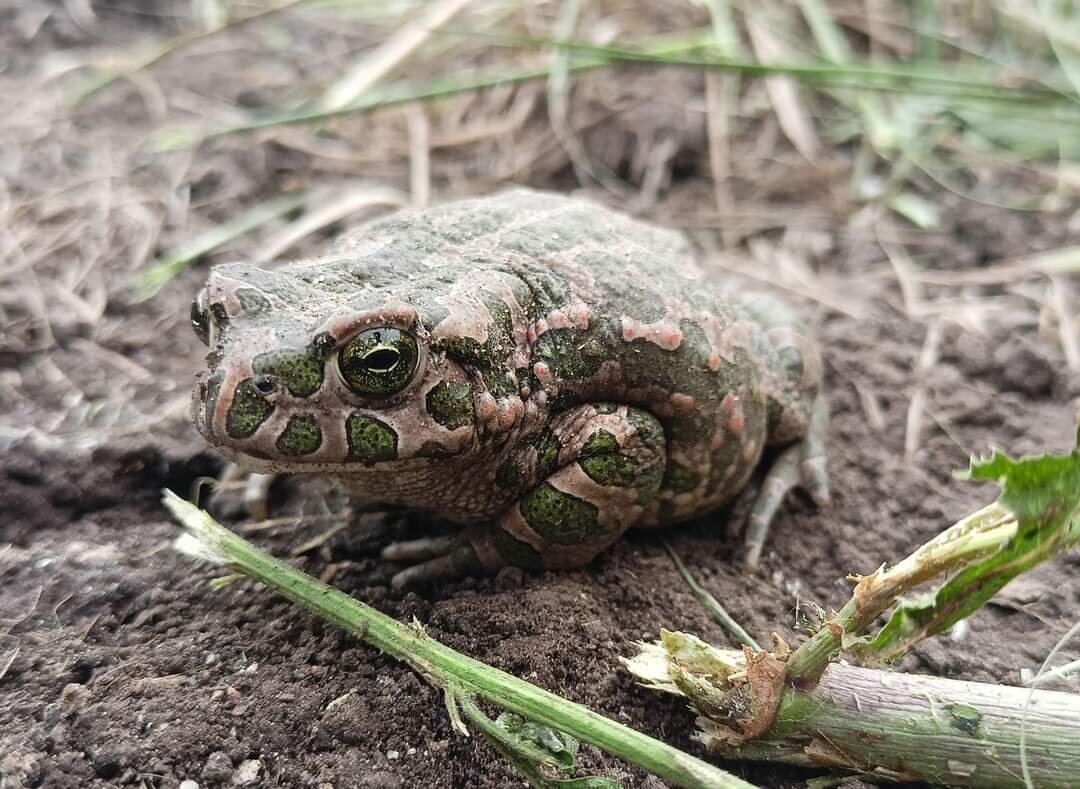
(379,362)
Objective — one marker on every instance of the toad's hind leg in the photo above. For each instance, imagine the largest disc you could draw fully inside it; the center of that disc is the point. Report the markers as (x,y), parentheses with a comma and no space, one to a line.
(587,478)
(802,463)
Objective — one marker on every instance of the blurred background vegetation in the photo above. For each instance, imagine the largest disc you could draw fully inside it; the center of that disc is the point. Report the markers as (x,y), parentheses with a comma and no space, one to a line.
(912,156)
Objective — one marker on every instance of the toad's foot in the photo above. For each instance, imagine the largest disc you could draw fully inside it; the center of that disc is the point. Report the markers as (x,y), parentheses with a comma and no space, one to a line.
(237,493)
(434,559)
(802,463)
(591,478)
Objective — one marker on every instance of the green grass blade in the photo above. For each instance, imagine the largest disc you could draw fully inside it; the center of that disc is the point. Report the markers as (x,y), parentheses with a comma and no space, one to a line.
(165,268)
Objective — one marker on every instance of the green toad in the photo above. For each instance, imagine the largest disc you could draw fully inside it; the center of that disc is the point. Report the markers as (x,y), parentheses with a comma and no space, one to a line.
(542,370)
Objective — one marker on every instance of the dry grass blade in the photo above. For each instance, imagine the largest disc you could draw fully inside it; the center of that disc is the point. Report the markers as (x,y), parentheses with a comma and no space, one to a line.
(326,210)
(370,69)
(419,127)
(158,51)
(784,93)
(1064,260)
(721,107)
(294,521)
(6,660)
(928,357)
(821,294)
(1029,702)
(1060,292)
(586,168)
(911,290)
(320,539)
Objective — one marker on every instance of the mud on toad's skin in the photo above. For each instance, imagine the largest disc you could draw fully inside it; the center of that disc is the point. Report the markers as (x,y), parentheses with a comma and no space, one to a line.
(539,368)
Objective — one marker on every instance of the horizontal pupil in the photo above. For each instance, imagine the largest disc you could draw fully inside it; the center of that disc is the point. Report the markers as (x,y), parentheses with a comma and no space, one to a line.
(382,360)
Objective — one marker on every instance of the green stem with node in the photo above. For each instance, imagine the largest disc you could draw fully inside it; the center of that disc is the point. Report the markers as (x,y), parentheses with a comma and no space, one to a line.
(459,676)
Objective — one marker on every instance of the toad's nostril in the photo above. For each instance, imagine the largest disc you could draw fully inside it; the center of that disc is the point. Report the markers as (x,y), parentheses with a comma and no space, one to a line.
(264,384)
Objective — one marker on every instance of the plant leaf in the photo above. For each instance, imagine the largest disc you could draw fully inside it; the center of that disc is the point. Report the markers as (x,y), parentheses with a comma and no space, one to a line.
(1043,491)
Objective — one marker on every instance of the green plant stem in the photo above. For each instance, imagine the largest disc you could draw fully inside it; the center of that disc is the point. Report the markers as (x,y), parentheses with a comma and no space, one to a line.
(981,532)
(442,666)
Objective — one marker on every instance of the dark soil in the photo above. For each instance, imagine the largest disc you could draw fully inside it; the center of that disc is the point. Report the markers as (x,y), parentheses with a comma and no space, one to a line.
(131,671)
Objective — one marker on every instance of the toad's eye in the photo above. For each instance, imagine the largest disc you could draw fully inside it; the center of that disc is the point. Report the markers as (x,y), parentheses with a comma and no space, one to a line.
(379,362)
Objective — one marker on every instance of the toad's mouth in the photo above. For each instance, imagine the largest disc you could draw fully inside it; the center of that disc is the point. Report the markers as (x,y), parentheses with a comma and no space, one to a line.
(273,432)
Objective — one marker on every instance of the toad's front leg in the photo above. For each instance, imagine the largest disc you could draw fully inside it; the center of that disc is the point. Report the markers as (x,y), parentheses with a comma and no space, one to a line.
(587,477)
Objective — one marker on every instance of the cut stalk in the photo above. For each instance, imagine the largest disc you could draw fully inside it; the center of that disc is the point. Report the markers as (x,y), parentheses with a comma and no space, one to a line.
(919,728)
(456,674)
(907,727)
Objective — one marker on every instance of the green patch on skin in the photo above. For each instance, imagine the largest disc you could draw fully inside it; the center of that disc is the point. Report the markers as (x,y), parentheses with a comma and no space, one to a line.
(252,302)
(300,372)
(602,460)
(559,517)
(721,460)
(684,369)
(648,428)
(509,476)
(791,360)
(450,404)
(248,410)
(606,408)
(651,434)
(548,448)
(680,479)
(301,436)
(538,290)
(463,349)
(600,442)
(370,440)
(488,357)
(516,552)
(572,354)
